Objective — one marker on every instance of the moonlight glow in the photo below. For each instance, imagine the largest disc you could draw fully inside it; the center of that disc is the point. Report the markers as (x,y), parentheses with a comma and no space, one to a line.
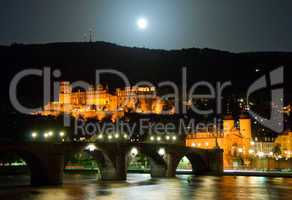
(142,23)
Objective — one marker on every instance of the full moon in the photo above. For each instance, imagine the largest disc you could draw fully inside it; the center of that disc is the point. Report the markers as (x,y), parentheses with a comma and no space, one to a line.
(142,23)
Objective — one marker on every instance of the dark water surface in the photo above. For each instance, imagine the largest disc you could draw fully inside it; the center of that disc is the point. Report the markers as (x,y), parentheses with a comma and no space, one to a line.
(141,186)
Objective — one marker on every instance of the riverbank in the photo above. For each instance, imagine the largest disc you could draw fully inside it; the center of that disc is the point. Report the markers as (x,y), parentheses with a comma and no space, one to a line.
(257,173)
(189,172)
(25,170)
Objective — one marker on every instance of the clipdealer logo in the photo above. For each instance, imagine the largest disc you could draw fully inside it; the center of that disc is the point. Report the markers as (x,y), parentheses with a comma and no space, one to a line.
(275,81)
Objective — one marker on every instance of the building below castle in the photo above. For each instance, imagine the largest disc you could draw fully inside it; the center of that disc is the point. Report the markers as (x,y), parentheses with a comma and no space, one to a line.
(240,144)
(98,102)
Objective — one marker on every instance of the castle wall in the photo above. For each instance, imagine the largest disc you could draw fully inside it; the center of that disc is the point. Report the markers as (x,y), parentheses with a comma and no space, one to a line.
(97,99)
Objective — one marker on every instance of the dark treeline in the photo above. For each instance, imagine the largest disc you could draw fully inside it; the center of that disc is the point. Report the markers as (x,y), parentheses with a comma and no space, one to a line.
(78,61)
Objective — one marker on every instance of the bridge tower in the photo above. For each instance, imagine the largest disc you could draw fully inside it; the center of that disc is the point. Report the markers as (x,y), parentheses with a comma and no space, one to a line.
(228,124)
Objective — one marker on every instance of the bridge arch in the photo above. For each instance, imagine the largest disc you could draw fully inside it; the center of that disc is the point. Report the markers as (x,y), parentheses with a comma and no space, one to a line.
(184,165)
(35,164)
(83,159)
(102,154)
(157,163)
(198,163)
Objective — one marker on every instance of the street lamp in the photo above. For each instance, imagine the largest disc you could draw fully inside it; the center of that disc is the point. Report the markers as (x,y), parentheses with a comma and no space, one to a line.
(46,135)
(91,147)
(62,134)
(161,151)
(50,133)
(34,135)
(134,151)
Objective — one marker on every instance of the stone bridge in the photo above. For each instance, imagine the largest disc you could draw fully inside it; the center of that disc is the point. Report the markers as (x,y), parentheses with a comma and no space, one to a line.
(46,160)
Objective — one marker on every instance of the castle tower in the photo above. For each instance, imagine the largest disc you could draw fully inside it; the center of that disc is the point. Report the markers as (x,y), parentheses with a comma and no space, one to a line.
(90,96)
(228,123)
(65,93)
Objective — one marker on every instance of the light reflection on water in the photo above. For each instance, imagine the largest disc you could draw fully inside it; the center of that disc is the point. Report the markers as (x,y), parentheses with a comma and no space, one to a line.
(141,186)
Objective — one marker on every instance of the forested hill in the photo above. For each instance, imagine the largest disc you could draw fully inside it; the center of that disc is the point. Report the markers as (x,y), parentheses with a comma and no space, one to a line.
(78,61)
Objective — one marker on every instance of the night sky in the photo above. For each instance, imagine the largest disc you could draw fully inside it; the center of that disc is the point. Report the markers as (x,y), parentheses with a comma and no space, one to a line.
(234,25)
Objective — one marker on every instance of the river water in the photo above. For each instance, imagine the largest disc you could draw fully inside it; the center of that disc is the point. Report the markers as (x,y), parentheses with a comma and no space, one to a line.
(141,186)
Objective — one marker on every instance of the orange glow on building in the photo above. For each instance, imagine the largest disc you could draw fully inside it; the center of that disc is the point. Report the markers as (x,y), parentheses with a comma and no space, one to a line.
(97,102)
(234,141)
(239,145)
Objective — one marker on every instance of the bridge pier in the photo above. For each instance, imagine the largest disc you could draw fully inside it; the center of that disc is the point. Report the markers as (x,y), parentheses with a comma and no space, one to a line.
(215,160)
(114,163)
(167,170)
(114,170)
(172,160)
(48,171)
(157,170)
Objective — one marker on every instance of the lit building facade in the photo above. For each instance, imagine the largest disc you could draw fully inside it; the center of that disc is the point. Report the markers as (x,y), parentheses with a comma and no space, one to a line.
(240,145)
(284,141)
(236,142)
(98,102)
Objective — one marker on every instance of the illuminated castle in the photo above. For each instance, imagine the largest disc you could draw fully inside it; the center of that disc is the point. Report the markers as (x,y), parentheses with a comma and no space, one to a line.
(98,102)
